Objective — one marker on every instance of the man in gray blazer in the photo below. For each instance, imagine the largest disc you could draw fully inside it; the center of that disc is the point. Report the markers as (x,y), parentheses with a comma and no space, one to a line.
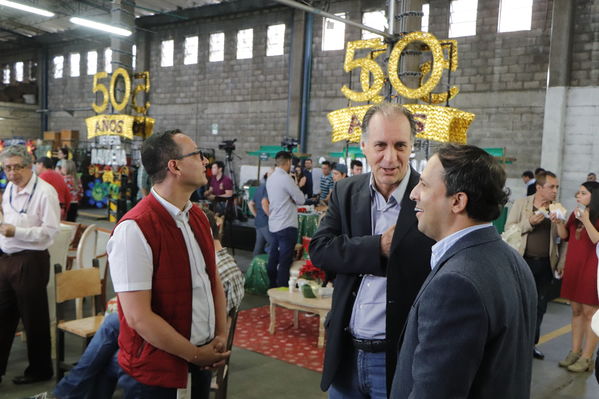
(470,332)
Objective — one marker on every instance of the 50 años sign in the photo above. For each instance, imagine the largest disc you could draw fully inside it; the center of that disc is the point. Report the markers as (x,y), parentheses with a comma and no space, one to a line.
(120,124)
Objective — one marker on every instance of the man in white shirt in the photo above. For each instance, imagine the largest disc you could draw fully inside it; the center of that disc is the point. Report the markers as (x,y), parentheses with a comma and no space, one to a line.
(284,196)
(172,306)
(31,219)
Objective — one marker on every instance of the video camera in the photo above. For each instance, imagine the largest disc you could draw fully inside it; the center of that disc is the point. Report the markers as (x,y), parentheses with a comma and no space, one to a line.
(289,143)
(227,145)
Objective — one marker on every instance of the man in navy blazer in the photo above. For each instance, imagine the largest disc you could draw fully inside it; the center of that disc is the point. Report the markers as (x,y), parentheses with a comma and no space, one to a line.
(369,238)
(471,330)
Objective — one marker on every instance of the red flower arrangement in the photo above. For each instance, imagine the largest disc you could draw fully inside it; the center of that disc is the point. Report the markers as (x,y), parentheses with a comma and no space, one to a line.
(311,272)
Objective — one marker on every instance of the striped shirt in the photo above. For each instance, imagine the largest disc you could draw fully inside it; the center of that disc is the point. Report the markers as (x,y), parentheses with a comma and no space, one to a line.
(326,183)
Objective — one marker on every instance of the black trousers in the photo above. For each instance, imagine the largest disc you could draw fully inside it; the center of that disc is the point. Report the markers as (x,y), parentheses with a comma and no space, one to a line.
(23,280)
(541,271)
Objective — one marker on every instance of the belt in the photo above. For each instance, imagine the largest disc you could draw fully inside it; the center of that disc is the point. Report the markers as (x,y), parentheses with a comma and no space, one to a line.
(370,345)
(537,258)
(24,252)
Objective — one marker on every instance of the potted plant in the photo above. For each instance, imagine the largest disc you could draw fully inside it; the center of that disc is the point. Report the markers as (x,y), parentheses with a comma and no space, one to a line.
(310,279)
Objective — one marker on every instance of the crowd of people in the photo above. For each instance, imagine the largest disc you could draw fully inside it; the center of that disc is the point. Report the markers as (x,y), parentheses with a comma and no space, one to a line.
(424,284)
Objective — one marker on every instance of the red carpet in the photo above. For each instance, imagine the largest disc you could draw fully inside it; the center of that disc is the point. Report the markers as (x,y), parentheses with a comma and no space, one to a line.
(295,346)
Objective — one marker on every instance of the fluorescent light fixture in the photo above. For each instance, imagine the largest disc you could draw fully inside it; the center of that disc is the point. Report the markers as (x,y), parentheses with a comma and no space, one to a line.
(1,119)
(100,26)
(23,7)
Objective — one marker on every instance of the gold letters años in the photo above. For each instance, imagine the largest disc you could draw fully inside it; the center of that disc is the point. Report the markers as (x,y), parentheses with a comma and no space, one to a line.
(114,125)
(119,125)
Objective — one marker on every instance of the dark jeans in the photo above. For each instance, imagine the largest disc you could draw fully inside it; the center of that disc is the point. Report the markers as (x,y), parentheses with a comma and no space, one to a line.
(541,271)
(96,374)
(91,377)
(263,241)
(281,256)
(362,377)
(23,280)
(72,212)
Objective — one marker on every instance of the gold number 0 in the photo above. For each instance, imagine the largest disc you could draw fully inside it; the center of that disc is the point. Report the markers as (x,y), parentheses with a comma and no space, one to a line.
(139,88)
(438,64)
(101,88)
(367,66)
(120,72)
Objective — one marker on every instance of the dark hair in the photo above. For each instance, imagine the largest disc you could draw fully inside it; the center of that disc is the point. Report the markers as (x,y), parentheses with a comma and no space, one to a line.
(213,225)
(388,110)
(529,174)
(220,164)
(45,161)
(355,162)
(591,174)
(539,170)
(282,157)
(65,151)
(593,188)
(326,163)
(476,173)
(542,177)
(156,151)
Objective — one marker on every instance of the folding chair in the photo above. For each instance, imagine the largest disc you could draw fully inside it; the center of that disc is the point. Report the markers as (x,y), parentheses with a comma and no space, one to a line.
(221,379)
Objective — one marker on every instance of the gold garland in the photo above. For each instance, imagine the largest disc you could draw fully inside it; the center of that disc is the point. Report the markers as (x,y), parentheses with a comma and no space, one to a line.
(347,123)
(368,66)
(444,124)
(437,70)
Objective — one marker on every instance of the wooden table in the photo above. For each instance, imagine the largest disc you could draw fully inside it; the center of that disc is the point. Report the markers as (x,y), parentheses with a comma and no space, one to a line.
(295,301)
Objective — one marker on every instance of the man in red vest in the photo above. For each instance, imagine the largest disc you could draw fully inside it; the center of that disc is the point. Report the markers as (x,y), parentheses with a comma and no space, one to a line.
(46,172)
(172,306)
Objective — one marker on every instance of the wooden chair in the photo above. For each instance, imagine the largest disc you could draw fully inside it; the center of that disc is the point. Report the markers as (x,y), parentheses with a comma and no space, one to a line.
(70,285)
(221,379)
(92,248)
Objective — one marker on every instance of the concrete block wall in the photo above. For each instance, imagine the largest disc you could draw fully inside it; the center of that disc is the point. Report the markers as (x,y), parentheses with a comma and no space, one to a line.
(585,44)
(19,120)
(246,99)
(581,154)
(502,78)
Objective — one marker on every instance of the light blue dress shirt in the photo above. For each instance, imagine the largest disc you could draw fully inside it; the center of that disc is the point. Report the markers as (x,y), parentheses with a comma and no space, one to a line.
(439,249)
(368,315)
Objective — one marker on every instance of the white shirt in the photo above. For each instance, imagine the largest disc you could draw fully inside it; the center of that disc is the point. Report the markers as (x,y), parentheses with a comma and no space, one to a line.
(35,213)
(131,268)
(284,196)
(439,249)
(368,318)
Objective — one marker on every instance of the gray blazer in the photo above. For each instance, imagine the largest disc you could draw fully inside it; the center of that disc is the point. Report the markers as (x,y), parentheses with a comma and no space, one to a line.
(470,332)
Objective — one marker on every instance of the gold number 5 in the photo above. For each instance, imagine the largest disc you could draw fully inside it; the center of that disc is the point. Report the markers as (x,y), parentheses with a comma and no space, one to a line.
(102,89)
(368,66)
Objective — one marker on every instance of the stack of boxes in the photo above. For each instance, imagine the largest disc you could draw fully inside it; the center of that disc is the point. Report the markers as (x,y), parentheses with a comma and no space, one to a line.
(63,138)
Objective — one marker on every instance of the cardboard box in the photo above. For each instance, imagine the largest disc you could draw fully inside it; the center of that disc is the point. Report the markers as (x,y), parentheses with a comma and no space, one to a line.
(51,136)
(67,143)
(69,134)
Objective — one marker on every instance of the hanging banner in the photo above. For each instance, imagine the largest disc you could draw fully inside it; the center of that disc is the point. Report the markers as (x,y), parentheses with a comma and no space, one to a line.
(113,125)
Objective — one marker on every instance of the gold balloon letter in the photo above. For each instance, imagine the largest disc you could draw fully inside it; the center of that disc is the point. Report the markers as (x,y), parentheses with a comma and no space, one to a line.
(369,66)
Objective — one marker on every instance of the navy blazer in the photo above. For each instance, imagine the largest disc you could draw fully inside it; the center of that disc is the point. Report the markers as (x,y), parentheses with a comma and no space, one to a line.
(344,245)
(471,331)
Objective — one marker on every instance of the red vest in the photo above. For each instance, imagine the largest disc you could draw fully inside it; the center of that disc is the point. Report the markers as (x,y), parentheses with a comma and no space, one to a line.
(171,292)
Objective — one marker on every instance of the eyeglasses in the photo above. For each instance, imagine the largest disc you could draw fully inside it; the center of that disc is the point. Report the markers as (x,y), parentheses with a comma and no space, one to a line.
(191,154)
(15,168)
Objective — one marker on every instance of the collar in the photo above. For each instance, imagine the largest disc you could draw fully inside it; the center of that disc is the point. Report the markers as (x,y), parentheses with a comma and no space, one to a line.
(439,249)
(531,182)
(175,212)
(398,193)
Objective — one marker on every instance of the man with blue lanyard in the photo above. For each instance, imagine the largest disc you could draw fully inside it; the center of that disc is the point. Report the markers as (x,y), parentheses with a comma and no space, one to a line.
(31,220)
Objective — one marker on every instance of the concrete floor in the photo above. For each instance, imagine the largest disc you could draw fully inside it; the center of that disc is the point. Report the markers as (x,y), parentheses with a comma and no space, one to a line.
(254,376)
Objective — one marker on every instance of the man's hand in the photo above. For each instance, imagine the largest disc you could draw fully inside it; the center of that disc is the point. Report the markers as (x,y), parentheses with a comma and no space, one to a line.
(386,239)
(554,219)
(536,219)
(7,230)
(208,356)
(220,343)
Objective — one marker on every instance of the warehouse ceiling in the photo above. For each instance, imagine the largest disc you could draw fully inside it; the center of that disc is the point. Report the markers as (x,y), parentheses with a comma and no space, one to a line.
(18,28)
